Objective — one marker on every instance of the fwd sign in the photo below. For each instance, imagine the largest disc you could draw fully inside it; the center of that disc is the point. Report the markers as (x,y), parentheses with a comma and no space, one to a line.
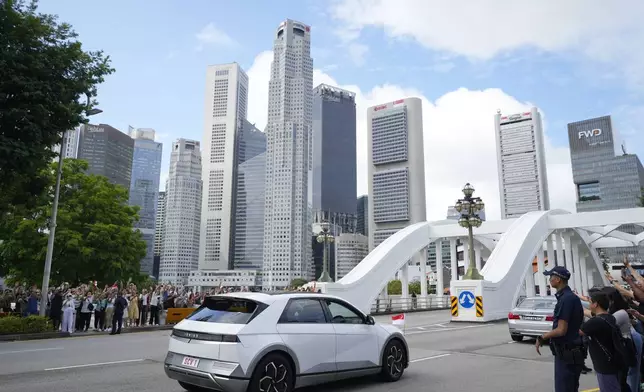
(594,132)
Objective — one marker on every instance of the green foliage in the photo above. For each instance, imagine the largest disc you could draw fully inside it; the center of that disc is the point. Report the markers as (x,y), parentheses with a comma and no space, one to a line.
(394,287)
(95,238)
(298,282)
(414,288)
(46,79)
(642,198)
(32,324)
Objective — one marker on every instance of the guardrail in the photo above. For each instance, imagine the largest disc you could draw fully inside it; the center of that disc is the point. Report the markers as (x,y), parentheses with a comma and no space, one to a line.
(417,304)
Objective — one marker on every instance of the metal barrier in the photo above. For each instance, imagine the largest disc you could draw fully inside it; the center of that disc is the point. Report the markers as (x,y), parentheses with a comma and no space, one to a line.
(417,304)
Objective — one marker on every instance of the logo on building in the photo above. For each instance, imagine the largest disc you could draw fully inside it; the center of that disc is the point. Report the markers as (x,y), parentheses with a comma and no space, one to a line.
(590,133)
(379,108)
(515,117)
(95,128)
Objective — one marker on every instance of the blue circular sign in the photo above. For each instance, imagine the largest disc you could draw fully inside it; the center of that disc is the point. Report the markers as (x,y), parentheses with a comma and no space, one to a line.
(466,299)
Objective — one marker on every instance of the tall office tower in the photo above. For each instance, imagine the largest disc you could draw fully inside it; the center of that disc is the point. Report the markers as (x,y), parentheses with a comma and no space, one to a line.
(287,227)
(334,150)
(351,248)
(182,214)
(247,247)
(521,162)
(144,187)
(108,152)
(362,224)
(348,223)
(159,234)
(603,180)
(226,102)
(70,144)
(396,170)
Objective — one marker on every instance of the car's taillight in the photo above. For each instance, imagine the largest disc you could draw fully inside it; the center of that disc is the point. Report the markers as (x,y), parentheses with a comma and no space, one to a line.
(550,318)
(205,336)
(229,339)
(512,316)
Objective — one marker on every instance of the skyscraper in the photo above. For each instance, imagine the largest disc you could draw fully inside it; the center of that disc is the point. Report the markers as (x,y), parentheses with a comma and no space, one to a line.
(287,227)
(396,168)
(182,214)
(604,180)
(334,150)
(248,235)
(521,162)
(159,233)
(70,144)
(226,102)
(362,226)
(144,187)
(351,249)
(108,152)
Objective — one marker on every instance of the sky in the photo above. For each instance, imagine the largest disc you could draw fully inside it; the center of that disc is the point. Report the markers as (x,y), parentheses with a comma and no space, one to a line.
(573,60)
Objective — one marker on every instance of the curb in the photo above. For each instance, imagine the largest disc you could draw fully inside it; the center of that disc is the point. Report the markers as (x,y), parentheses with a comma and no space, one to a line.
(398,311)
(58,335)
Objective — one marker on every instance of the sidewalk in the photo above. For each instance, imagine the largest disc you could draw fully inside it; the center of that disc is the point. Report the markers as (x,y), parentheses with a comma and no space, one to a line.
(57,335)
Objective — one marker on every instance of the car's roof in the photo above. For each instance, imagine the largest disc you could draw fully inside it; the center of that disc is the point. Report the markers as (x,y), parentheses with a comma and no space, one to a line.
(270,297)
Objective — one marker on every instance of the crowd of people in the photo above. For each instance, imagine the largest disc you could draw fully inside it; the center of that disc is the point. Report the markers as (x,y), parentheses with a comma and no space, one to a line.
(607,325)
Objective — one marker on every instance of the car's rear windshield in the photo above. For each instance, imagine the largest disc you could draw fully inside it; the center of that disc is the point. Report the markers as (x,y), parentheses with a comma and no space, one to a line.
(533,303)
(225,310)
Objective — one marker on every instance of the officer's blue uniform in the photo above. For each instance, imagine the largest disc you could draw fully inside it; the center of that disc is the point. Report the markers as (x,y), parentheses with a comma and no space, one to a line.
(568,308)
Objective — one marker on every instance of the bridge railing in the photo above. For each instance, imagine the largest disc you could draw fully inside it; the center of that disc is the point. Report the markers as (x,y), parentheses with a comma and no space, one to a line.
(399,305)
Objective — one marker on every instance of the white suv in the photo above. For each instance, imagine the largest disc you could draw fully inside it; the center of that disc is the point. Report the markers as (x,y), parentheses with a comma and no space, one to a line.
(260,342)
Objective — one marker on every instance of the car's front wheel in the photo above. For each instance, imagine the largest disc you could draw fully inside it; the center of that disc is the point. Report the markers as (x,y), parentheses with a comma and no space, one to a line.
(273,373)
(393,361)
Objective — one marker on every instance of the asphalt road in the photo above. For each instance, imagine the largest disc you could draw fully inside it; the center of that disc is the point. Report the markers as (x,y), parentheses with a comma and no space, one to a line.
(445,357)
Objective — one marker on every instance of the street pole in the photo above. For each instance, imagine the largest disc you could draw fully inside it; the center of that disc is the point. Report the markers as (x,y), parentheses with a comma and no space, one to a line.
(52,233)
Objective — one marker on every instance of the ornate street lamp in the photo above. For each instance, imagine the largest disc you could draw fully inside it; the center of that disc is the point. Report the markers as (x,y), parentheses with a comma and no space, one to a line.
(325,239)
(469,207)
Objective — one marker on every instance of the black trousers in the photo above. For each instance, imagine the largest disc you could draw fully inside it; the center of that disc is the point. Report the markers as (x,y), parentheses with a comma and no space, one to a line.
(99,319)
(566,376)
(154,315)
(144,315)
(55,320)
(85,320)
(117,319)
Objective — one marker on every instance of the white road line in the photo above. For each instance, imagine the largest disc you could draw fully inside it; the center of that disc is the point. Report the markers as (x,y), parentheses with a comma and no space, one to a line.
(30,350)
(421,328)
(95,364)
(428,358)
(448,329)
(512,342)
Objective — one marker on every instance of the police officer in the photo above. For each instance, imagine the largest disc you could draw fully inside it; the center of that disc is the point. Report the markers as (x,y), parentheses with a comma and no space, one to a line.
(565,342)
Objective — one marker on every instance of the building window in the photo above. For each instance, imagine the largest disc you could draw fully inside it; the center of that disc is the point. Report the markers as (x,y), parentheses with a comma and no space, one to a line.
(588,191)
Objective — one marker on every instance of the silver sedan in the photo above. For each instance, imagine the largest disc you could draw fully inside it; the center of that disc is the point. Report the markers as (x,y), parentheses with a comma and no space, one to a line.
(532,317)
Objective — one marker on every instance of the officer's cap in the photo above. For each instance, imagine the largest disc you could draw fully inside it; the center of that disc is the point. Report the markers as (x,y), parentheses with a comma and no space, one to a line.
(559,271)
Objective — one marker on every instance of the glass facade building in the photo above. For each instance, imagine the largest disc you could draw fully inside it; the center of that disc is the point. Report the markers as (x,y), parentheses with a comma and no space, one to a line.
(108,152)
(604,180)
(362,224)
(247,239)
(334,150)
(144,188)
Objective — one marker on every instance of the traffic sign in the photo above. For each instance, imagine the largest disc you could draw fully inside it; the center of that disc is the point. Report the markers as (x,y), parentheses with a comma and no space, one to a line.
(466,299)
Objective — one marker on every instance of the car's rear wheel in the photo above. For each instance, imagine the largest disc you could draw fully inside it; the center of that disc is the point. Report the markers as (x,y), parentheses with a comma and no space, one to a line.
(393,361)
(517,338)
(193,388)
(273,373)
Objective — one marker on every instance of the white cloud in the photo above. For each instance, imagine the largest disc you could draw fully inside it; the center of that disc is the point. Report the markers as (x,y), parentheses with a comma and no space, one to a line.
(605,31)
(357,53)
(458,136)
(211,35)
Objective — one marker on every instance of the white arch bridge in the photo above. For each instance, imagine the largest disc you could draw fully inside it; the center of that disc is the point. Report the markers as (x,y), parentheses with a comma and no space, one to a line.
(511,245)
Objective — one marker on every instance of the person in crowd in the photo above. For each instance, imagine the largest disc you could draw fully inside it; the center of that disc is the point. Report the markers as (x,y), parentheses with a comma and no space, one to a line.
(145,305)
(565,341)
(603,353)
(133,308)
(120,305)
(87,307)
(69,316)
(109,310)
(155,301)
(631,377)
(56,309)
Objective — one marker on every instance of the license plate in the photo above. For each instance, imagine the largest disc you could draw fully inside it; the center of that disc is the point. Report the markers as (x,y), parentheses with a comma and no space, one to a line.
(190,362)
(532,318)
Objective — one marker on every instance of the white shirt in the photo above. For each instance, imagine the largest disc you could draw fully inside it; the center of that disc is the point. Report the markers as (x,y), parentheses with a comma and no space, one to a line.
(154,301)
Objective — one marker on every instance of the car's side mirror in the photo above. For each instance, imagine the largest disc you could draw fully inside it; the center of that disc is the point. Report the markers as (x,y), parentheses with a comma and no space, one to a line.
(370,321)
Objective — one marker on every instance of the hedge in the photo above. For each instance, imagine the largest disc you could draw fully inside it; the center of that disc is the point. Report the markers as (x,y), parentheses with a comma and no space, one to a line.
(32,324)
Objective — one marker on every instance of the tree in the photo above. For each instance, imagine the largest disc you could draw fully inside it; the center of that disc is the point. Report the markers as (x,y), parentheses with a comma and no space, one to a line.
(298,282)
(46,79)
(95,239)
(642,198)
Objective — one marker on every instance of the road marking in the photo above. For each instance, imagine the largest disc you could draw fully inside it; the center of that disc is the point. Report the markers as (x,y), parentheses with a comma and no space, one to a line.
(512,342)
(421,328)
(449,329)
(95,364)
(428,358)
(591,390)
(30,351)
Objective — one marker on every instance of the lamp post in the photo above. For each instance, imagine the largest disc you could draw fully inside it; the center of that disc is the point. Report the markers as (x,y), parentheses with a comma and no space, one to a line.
(469,207)
(54,214)
(325,239)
